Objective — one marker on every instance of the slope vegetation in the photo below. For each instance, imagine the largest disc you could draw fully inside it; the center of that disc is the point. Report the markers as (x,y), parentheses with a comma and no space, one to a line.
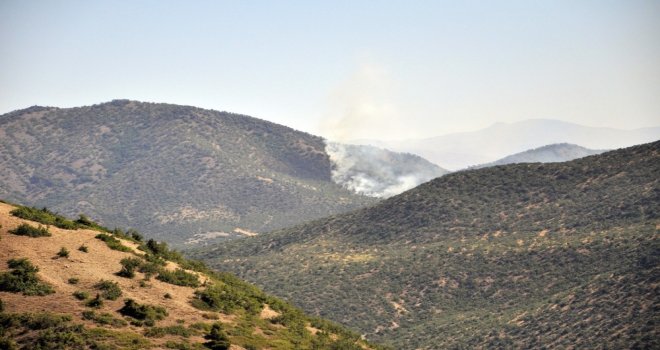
(182,173)
(91,288)
(526,256)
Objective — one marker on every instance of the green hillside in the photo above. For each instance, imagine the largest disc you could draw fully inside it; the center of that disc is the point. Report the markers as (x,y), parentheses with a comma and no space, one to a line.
(179,173)
(561,255)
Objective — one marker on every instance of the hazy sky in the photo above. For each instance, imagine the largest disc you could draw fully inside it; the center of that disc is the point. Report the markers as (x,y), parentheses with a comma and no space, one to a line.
(343,69)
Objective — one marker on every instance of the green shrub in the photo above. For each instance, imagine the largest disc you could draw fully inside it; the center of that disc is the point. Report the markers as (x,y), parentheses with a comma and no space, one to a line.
(217,338)
(63,253)
(83,248)
(167,296)
(81,295)
(96,303)
(112,242)
(110,290)
(226,298)
(31,231)
(44,216)
(73,280)
(128,266)
(142,311)
(105,319)
(22,277)
(135,235)
(178,277)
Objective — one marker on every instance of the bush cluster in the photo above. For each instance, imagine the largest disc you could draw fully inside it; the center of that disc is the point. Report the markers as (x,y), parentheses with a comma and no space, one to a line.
(22,278)
(30,231)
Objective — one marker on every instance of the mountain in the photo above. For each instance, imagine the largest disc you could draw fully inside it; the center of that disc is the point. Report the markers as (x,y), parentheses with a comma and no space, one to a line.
(378,172)
(178,173)
(88,288)
(555,153)
(556,255)
(460,150)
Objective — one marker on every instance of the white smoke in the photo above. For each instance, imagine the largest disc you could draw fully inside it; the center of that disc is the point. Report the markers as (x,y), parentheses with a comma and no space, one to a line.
(378,172)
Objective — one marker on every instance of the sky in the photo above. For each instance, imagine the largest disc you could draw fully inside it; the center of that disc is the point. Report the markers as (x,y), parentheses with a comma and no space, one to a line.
(344,70)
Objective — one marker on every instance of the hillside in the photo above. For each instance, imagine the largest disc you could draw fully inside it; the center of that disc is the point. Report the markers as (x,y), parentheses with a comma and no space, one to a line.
(178,173)
(74,291)
(460,150)
(555,153)
(558,255)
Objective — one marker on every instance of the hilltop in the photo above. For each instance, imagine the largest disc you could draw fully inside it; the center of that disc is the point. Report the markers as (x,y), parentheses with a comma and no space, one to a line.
(179,173)
(86,287)
(514,256)
(555,153)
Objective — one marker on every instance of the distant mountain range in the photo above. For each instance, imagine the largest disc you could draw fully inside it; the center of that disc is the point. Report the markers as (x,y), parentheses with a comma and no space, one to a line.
(524,256)
(560,152)
(460,150)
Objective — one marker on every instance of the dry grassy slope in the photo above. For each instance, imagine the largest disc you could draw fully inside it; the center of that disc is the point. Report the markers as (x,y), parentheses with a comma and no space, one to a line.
(101,263)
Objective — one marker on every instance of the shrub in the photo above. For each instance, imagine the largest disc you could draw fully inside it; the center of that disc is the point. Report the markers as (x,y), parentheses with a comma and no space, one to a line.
(113,243)
(225,298)
(179,277)
(73,280)
(142,311)
(44,216)
(135,235)
(96,303)
(128,266)
(103,319)
(217,338)
(2,306)
(23,278)
(31,231)
(81,295)
(63,253)
(167,296)
(83,248)
(110,290)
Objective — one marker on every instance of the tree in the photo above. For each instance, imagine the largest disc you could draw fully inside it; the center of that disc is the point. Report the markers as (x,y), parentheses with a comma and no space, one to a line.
(217,338)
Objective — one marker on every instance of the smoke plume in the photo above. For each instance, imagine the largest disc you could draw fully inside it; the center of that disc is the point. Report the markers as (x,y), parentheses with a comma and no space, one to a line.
(378,172)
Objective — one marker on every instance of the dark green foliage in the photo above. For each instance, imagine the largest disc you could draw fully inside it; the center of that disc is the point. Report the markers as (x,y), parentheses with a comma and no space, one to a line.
(178,277)
(81,295)
(514,256)
(22,278)
(109,290)
(167,296)
(113,243)
(128,267)
(217,338)
(83,248)
(63,253)
(31,231)
(73,280)
(143,312)
(2,306)
(135,235)
(44,216)
(96,303)
(226,298)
